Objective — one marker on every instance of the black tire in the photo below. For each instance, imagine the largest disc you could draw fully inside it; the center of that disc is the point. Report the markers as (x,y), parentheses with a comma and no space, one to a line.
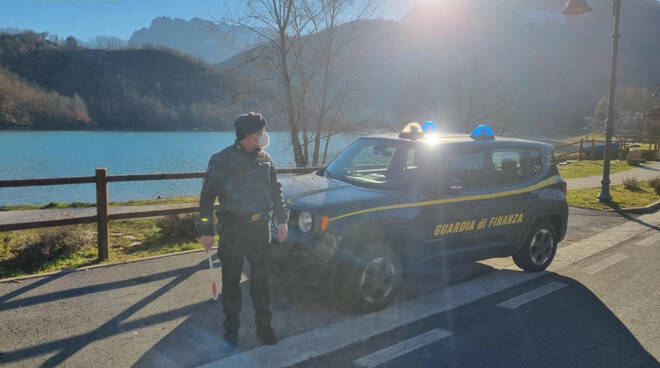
(538,249)
(372,278)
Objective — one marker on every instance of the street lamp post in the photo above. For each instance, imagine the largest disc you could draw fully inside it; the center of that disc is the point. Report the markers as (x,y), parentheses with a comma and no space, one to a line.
(579,7)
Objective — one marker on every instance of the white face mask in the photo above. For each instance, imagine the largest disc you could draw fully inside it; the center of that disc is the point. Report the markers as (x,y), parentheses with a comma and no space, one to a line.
(264,140)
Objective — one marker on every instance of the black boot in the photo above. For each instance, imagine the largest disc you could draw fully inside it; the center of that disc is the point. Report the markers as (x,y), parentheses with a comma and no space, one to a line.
(231,339)
(267,335)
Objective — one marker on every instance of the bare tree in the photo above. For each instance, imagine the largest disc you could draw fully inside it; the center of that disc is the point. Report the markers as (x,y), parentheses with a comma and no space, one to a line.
(281,25)
(632,105)
(107,43)
(337,32)
(306,43)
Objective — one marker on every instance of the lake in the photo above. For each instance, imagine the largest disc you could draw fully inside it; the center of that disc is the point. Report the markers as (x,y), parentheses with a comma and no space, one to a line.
(49,154)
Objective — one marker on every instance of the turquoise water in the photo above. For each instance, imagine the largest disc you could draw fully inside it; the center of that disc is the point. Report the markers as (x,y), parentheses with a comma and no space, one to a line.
(28,154)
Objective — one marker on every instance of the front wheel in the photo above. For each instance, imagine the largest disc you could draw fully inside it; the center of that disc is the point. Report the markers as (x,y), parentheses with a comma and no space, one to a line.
(373,278)
(539,248)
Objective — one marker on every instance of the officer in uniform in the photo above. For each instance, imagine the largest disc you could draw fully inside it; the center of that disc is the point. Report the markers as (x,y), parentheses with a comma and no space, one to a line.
(243,178)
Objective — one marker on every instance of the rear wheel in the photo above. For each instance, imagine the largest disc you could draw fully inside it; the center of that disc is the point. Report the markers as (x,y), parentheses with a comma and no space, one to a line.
(373,278)
(539,248)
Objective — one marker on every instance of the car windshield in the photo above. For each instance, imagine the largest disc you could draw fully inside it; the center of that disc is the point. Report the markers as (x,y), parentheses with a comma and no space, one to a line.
(368,162)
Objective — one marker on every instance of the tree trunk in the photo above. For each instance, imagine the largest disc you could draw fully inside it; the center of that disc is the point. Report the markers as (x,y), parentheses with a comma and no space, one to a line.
(325,149)
(293,124)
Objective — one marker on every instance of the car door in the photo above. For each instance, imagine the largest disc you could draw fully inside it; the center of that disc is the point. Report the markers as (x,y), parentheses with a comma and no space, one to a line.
(447,221)
(506,211)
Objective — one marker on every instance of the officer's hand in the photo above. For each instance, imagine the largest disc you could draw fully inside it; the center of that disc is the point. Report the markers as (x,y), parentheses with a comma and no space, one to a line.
(282,232)
(207,242)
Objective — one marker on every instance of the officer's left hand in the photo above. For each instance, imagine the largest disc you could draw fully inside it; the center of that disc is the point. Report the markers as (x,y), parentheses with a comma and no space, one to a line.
(282,232)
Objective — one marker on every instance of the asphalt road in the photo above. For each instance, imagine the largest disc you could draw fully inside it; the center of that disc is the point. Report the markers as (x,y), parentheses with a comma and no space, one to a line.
(157,313)
(597,317)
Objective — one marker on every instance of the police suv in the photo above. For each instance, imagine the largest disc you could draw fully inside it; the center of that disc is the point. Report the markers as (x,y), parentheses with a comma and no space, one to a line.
(388,202)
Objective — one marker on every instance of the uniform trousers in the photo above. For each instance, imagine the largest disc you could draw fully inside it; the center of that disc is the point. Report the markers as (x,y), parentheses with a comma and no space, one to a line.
(240,238)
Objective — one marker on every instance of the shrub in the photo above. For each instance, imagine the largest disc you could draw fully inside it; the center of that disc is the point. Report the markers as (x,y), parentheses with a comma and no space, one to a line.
(655,184)
(632,184)
(49,245)
(184,227)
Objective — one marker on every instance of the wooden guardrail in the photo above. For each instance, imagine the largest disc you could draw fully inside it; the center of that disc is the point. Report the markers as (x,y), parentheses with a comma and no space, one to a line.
(102,217)
(587,148)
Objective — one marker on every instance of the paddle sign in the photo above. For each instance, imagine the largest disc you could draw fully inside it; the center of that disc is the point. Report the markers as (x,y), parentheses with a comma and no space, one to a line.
(214,280)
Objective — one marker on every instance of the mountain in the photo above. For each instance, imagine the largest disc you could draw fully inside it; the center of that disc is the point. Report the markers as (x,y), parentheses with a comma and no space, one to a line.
(135,89)
(555,66)
(519,64)
(202,38)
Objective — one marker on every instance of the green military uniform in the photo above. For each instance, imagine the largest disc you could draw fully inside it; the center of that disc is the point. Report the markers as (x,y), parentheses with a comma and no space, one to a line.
(248,191)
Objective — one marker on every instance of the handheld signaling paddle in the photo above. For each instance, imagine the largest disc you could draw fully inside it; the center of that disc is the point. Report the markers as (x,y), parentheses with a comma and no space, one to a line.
(214,280)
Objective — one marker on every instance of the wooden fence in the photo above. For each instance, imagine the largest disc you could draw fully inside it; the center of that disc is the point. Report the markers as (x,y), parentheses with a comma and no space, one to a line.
(102,217)
(592,151)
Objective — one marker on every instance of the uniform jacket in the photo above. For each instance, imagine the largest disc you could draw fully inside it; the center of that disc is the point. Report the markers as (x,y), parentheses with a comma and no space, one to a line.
(245,184)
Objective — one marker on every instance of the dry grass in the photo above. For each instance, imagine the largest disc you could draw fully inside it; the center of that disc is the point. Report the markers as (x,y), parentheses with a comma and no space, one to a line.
(129,239)
(623,198)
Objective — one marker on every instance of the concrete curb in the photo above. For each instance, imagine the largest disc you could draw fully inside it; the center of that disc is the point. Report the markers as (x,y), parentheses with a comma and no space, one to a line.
(27,277)
(633,210)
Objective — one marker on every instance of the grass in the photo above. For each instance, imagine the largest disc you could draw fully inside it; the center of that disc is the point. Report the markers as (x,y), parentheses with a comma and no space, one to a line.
(129,239)
(580,169)
(623,198)
(140,202)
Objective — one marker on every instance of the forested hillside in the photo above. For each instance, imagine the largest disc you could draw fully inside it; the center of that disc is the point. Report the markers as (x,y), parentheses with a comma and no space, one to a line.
(137,89)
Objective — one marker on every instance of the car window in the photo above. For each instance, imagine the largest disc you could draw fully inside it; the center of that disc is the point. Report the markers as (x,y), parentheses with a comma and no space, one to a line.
(369,162)
(507,166)
(468,167)
(410,161)
(535,161)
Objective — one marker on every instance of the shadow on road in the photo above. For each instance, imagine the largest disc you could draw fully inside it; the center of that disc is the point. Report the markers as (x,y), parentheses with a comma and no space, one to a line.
(629,217)
(65,348)
(4,298)
(649,168)
(297,307)
(6,303)
(568,328)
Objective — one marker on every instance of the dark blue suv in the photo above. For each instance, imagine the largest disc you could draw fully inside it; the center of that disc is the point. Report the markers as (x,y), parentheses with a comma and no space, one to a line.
(391,201)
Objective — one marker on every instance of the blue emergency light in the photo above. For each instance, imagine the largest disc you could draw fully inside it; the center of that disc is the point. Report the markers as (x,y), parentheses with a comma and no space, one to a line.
(429,126)
(482,132)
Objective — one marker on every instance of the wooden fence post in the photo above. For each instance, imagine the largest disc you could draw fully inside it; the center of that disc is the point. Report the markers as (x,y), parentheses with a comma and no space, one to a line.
(593,149)
(580,153)
(102,213)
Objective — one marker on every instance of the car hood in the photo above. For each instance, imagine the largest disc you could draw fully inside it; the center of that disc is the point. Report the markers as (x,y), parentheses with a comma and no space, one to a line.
(313,192)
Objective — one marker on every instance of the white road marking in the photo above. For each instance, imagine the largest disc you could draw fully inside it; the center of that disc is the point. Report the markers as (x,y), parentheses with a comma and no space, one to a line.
(650,240)
(296,349)
(527,297)
(404,347)
(607,262)
(299,348)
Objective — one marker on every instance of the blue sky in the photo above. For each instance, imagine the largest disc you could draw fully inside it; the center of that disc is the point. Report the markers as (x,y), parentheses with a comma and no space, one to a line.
(85,19)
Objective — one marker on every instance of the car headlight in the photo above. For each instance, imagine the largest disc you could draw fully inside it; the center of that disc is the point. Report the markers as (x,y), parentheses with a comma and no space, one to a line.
(305,221)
